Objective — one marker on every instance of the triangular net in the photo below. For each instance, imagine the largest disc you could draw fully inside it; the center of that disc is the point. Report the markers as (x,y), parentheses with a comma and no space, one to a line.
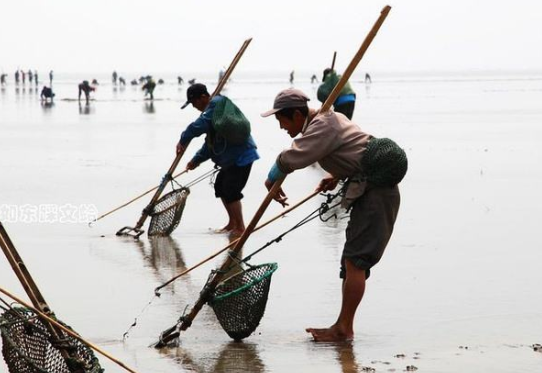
(167,212)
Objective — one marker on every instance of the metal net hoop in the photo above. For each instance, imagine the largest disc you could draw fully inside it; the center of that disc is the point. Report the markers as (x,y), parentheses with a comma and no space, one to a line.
(28,346)
(239,302)
(167,212)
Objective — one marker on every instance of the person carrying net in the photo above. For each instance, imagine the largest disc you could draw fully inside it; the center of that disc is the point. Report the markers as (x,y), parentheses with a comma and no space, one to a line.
(372,168)
(228,144)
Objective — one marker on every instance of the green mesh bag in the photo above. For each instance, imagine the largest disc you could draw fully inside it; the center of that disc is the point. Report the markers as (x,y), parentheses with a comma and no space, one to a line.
(324,90)
(230,123)
(239,302)
(28,347)
(384,162)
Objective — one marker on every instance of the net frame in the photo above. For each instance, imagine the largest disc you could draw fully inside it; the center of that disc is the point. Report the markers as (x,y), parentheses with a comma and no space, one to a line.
(239,302)
(28,346)
(167,212)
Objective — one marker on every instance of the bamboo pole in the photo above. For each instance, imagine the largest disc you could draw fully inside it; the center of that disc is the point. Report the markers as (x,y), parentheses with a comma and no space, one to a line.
(355,61)
(28,283)
(133,200)
(156,290)
(173,332)
(137,231)
(66,330)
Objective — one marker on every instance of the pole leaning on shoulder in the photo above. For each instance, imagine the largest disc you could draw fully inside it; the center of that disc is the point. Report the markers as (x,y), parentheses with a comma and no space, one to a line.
(136,231)
(355,60)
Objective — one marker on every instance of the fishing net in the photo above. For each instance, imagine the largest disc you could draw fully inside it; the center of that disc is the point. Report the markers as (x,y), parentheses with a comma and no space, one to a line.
(239,302)
(385,163)
(29,347)
(230,122)
(167,212)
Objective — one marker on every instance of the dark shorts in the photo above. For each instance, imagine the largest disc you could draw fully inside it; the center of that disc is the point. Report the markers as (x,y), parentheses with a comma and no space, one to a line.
(347,109)
(230,181)
(370,227)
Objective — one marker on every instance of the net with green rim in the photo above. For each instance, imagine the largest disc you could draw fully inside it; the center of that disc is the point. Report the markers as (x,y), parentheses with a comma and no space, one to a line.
(28,347)
(167,212)
(239,302)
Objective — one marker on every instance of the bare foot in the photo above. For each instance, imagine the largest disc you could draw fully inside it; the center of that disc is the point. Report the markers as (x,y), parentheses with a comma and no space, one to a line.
(235,234)
(226,229)
(331,334)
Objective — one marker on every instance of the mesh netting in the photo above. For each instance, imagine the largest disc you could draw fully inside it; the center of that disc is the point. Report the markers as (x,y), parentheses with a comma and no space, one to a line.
(28,347)
(385,163)
(167,212)
(230,122)
(239,302)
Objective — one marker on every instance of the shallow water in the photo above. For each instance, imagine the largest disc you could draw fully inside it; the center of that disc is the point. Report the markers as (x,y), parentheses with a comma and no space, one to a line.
(458,288)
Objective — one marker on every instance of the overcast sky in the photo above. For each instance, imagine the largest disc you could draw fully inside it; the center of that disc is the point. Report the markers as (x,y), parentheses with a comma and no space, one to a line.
(190,35)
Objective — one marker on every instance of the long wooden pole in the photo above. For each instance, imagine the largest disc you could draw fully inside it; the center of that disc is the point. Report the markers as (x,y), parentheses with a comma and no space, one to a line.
(286,211)
(65,330)
(137,231)
(28,283)
(173,332)
(355,61)
(133,200)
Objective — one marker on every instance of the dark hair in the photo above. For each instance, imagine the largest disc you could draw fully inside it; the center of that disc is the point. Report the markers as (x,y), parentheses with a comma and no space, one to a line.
(289,112)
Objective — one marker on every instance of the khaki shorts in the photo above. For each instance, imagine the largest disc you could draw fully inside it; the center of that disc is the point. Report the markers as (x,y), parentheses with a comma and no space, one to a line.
(370,227)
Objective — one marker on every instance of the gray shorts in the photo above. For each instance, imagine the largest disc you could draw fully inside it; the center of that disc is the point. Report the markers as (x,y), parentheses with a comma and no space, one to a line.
(370,227)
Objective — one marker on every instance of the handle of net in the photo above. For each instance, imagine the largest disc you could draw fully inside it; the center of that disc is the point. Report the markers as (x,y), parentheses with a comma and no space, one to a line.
(355,60)
(186,321)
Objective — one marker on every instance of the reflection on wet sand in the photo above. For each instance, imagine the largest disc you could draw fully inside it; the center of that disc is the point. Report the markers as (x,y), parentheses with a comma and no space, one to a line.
(347,358)
(149,107)
(234,357)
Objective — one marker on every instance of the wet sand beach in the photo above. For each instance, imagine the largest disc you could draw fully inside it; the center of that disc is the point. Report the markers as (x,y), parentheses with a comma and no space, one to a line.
(458,288)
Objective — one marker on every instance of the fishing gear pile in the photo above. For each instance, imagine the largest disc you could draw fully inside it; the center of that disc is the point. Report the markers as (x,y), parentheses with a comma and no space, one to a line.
(29,347)
(239,302)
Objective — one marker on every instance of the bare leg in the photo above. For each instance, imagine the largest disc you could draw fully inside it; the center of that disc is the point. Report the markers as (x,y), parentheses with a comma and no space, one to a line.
(235,213)
(353,290)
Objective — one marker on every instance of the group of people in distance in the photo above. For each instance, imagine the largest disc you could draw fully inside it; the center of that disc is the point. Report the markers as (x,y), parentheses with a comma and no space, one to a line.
(338,145)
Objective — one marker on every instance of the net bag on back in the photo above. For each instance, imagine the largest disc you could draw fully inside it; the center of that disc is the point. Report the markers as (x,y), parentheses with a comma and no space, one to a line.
(28,347)
(384,162)
(230,122)
(239,302)
(167,212)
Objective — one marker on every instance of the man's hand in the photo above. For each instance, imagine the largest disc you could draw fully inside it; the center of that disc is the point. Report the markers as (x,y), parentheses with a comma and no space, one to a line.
(327,183)
(180,148)
(280,197)
(191,165)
